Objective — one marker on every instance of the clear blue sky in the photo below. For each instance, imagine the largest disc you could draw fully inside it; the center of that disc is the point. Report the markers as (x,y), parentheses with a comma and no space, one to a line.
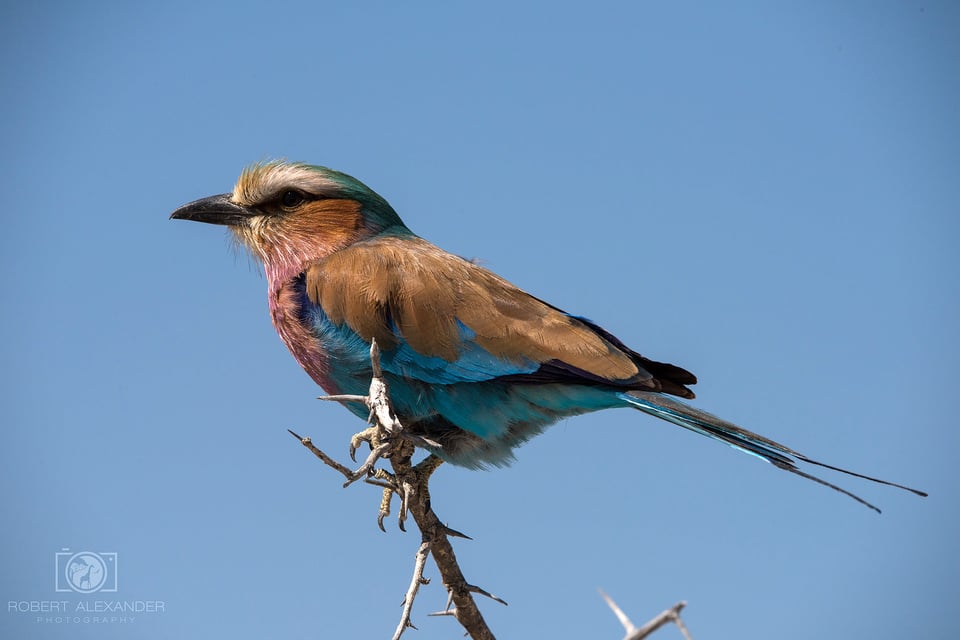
(764,193)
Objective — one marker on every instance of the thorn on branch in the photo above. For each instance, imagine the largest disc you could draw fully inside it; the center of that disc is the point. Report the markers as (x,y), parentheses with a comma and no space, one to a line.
(453,533)
(475,589)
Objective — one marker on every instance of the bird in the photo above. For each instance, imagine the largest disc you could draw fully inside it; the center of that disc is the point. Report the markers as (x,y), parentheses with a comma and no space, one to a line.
(475,365)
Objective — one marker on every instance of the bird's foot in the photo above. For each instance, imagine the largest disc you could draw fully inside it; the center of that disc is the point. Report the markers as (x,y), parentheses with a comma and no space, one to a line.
(386,480)
(372,435)
(387,438)
(419,474)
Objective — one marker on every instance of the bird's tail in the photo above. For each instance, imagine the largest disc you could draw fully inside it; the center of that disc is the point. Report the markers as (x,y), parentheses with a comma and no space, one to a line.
(688,417)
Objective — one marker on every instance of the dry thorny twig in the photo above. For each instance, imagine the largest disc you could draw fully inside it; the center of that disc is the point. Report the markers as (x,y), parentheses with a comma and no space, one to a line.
(387,439)
(638,633)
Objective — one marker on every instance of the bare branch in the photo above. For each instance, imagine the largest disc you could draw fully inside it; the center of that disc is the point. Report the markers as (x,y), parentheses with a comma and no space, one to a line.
(617,611)
(634,633)
(415,583)
(327,460)
(414,483)
(352,476)
(387,438)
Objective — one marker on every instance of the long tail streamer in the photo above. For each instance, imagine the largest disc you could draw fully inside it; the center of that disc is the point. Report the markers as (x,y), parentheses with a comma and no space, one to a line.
(688,417)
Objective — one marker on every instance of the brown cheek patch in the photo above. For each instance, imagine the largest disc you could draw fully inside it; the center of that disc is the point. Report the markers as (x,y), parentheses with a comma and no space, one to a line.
(335,223)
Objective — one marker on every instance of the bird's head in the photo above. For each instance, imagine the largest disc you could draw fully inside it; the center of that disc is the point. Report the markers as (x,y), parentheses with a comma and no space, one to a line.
(289,214)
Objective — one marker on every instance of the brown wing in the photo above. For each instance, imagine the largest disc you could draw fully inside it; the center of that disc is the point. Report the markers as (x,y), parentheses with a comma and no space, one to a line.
(393,288)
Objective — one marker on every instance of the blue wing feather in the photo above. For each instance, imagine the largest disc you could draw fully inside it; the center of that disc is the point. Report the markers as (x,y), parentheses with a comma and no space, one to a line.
(473,363)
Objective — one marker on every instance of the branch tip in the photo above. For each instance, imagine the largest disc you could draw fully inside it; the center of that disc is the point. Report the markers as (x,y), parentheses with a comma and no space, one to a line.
(634,633)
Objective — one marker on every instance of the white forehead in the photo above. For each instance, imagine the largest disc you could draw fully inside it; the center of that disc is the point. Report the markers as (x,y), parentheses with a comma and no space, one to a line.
(264,181)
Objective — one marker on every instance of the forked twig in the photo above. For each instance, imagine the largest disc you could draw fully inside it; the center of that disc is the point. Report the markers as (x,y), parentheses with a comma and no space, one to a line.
(638,633)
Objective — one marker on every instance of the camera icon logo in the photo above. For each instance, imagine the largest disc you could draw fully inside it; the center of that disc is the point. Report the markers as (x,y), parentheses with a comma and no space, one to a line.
(86,571)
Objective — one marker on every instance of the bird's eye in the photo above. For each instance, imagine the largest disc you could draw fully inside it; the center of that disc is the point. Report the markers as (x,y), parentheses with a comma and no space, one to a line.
(291,198)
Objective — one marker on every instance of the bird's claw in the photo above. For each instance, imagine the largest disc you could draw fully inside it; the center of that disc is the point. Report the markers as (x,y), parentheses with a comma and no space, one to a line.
(388,491)
(371,435)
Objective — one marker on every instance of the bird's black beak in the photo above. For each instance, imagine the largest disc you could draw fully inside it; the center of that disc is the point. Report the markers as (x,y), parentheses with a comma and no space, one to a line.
(214,210)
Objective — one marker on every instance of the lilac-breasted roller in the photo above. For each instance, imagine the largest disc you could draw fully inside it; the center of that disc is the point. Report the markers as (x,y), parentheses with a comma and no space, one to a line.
(472,362)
